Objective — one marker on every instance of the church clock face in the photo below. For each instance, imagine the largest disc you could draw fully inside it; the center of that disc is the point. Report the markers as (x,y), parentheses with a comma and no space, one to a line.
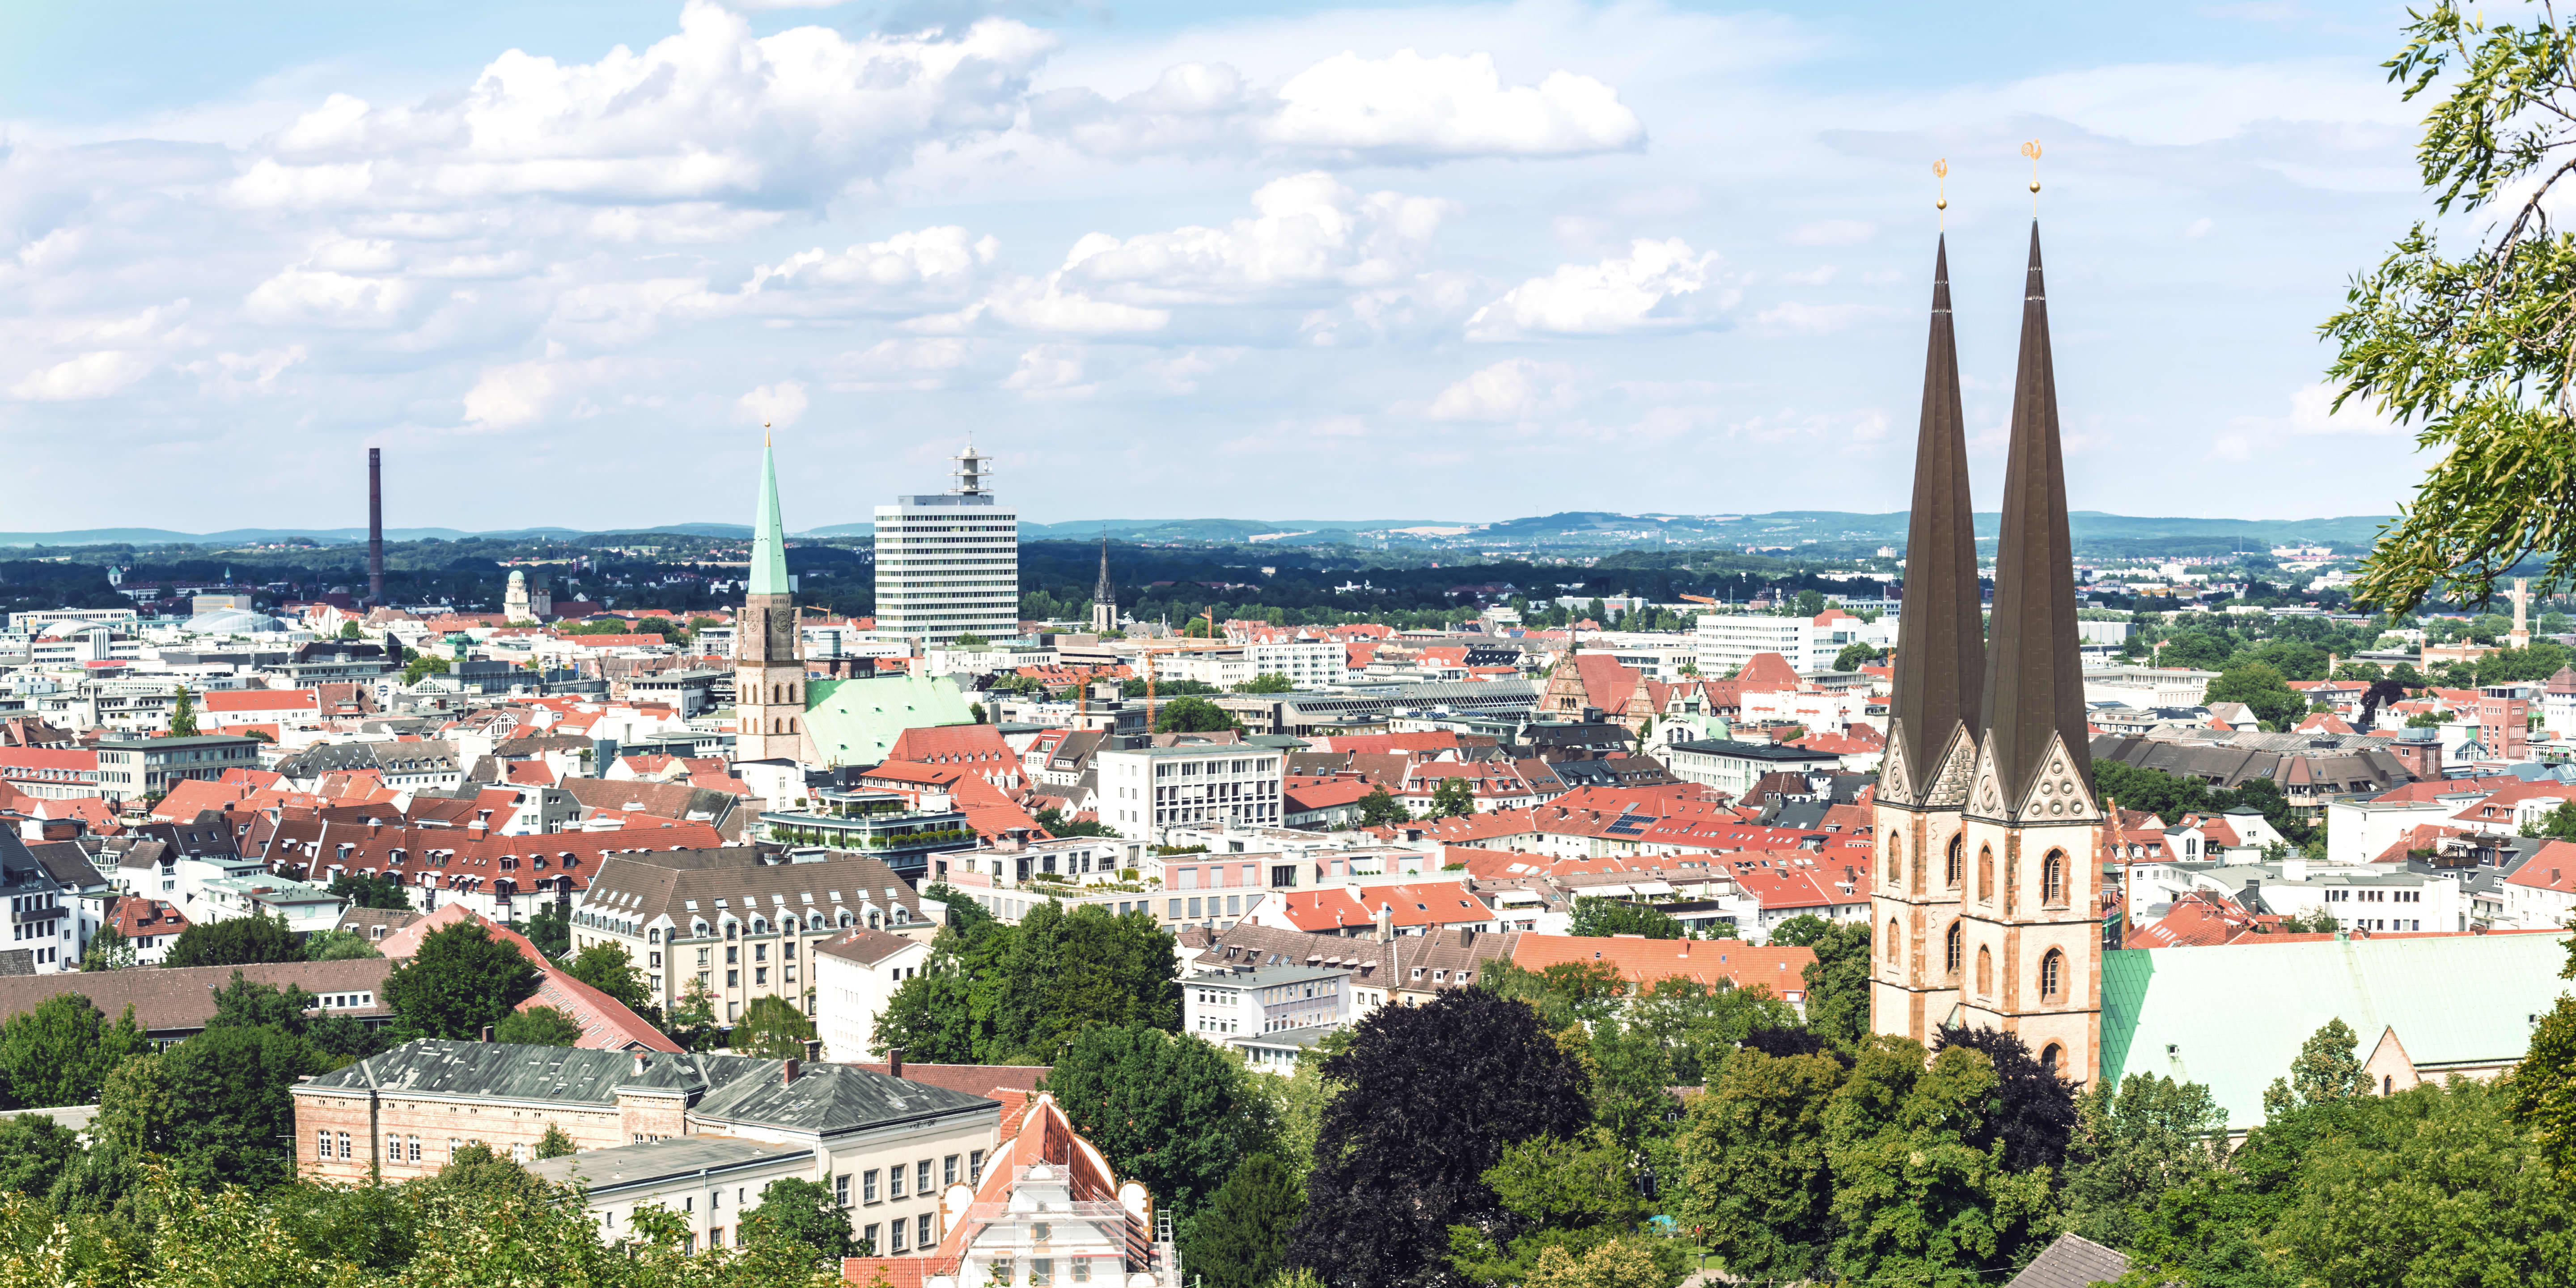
(781,630)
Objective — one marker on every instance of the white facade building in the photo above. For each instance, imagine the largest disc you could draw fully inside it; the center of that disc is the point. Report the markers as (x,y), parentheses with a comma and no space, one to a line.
(949,564)
(1308,663)
(854,977)
(1809,644)
(1145,791)
(1239,1010)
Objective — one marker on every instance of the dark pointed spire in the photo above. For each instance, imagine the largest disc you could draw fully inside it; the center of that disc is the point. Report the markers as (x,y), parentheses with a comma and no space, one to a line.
(1104,592)
(2034,680)
(1941,634)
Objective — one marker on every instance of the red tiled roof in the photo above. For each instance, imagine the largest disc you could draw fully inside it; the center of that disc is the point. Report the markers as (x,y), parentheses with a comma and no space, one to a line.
(1782,969)
(1433,903)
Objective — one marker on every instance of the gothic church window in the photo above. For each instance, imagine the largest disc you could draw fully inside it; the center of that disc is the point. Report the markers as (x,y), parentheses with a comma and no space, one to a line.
(1985,973)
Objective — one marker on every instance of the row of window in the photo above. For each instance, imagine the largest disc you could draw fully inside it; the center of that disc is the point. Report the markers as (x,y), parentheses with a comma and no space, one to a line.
(2052,964)
(920,1174)
(1042,1271)
(2052,870)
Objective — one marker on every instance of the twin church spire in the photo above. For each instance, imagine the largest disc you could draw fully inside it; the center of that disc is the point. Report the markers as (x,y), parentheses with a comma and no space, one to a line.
(2012,686)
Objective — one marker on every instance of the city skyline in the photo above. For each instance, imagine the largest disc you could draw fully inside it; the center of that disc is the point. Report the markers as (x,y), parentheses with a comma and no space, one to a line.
(1167,264)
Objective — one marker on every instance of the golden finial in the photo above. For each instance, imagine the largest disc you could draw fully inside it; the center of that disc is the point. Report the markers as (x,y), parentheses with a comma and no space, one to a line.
(764,433)
(2031,150)
(1941,197)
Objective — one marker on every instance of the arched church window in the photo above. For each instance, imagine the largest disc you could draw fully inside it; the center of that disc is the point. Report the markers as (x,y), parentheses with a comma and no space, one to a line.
(1986,873)
(1985,973)
(1952,874)
(1958,943)
(2052,976)
(1894,936)
(2052,878)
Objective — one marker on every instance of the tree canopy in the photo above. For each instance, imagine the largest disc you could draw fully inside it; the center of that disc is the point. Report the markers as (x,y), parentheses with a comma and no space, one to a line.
(236,941)
(1168,1109)
(459,980)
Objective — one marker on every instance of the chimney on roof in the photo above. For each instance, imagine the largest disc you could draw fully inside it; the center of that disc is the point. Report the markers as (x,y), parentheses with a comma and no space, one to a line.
(642,1062)
(788,1070)
(487,1032)
(813,1051)
(894,1061)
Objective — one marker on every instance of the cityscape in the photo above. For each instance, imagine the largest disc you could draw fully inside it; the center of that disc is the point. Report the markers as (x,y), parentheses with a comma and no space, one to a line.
(652,833)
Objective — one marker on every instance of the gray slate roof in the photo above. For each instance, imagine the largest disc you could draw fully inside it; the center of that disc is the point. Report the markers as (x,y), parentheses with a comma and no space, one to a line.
(2071,1262)
(623,1165)
(825,1099)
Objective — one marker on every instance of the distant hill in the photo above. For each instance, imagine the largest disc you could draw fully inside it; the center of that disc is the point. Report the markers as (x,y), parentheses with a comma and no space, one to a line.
(1580,527)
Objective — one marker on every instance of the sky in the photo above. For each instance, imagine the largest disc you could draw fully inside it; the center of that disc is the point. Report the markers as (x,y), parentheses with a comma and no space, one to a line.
(1466,262)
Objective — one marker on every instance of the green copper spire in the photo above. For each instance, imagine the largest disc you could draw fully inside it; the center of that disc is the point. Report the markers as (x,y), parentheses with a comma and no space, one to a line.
(768,536)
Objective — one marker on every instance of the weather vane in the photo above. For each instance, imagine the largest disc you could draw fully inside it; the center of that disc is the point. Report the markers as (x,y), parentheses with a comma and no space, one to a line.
(1941,196)
(2031,150)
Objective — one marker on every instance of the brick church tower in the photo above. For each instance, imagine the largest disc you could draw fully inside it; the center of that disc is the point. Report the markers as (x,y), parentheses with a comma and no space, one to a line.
(768,677)
(1998,930)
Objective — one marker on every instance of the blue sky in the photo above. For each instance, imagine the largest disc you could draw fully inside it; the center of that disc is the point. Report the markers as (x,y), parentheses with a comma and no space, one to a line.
(1460,260)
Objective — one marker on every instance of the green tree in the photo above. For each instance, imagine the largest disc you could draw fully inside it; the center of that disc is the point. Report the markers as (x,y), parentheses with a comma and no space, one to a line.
(384,890)
(1380,808)
(1838,983)
(1267,682)
(1436,1094)
(1914,1195)
(969,640)
(246,1003)
(2453,345)
(239,1117)
(34,1153)
(2327,1071)
(1567,1197)
(1191,714)
(1855,656)
(963,910)
(549,929)
(1594,916)
(2134,1142)
(109,949)
(538,1026)
(459,980)
(1238,1240)
(238,941)
(2261,687)
(60,1052)
(1631,1261)
(772,1029)
(1057,825)
(2543,1088)
(1754,1180)
(420,666)
(1168,1110)
(556,1143)
(611,969)
(183,715)
(1059,972)
(1453,798)
(350,631)
(2559,824)
(338,946)
(801,1212)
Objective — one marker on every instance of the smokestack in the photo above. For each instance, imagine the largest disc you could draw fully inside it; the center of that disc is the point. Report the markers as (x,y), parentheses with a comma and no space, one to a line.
(375,526)
(894,1062)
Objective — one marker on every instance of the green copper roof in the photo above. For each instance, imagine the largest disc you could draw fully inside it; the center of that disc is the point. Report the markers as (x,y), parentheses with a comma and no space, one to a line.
(2231,1018)
(768,535)
(855,722)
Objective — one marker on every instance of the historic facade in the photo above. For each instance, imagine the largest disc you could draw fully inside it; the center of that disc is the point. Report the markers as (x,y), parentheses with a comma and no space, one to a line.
(768,675)
(1986,913)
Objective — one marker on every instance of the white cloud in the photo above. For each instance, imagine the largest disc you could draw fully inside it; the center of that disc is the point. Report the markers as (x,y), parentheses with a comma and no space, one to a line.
(1410,107)
(505,397)
(318,297)
(1405,108)
(1660,285)
(2312,412)
(1790,317)
(1833,232)
(2198,229)
(1050,371)
(906,273)
(709,113)
(91,375)
(232,375)
(1308,230)
(780,405)
(2229,447)
(1514,389)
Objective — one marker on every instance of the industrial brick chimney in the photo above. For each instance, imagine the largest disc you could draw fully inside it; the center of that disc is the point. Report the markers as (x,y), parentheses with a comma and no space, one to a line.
(375,526)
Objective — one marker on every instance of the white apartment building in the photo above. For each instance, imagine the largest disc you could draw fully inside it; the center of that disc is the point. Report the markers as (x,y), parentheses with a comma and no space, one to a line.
(855,975)
(1240,1009)
(2148,686)
(1147,790)
(1224,668)
(949,564)
(1809,644)
(1308,663)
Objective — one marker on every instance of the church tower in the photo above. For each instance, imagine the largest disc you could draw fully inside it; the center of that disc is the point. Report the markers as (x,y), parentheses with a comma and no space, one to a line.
(1933,716)
(768,677)
(2030,937)
(1104,597)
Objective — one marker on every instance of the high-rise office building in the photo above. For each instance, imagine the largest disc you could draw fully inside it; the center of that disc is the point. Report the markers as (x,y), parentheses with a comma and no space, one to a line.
(948,564)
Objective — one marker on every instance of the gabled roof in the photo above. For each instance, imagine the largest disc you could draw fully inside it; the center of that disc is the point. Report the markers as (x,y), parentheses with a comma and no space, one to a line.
(1782,970)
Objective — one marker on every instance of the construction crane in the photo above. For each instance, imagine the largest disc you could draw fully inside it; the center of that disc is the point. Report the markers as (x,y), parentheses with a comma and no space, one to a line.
(1151,653)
